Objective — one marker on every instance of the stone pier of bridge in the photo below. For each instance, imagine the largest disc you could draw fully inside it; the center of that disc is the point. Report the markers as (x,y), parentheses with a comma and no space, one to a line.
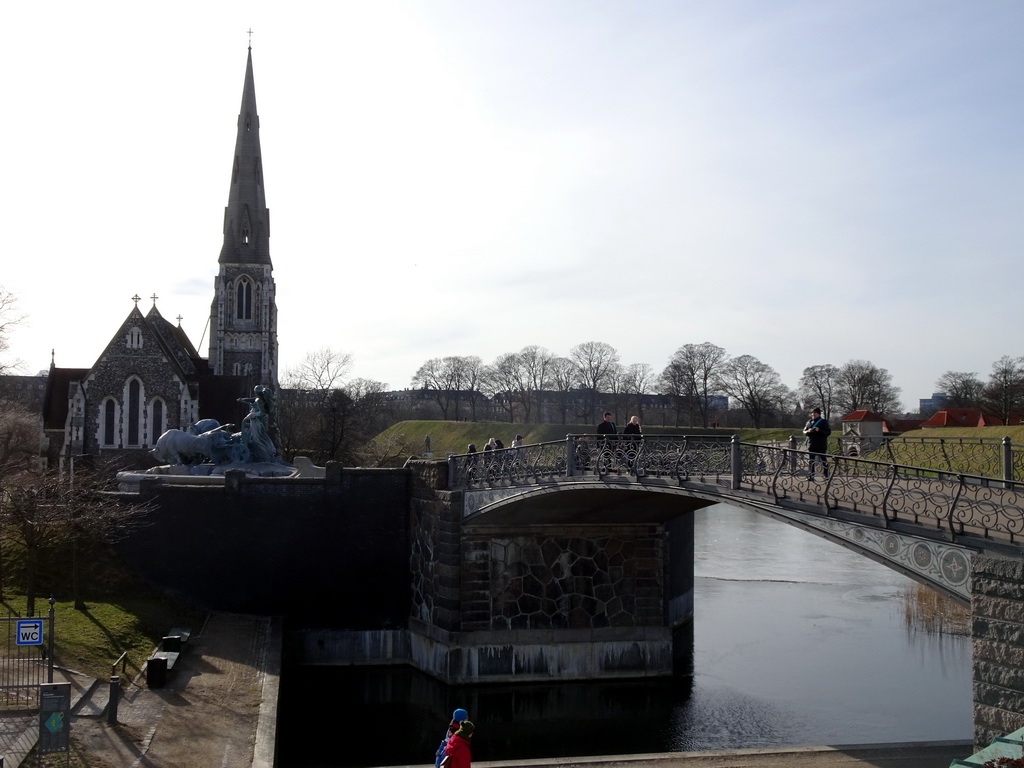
(525,599)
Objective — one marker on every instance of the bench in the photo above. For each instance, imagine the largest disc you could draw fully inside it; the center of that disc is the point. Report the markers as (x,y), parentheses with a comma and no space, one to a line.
(166,656)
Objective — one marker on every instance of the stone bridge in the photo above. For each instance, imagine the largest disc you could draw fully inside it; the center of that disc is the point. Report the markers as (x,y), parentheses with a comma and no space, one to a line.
(924,522)
(573,559)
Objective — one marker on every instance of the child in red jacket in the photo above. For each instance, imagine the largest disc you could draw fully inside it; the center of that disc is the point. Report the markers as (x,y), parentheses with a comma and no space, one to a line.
(456,753)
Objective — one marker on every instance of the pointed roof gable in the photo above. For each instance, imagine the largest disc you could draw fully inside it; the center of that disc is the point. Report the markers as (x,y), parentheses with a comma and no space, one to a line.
(174,341)
(960,417)
(863,415)
(156,336)
(246,218)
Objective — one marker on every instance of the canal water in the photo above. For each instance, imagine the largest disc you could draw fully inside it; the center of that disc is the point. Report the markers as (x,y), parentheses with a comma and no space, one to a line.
(795,641)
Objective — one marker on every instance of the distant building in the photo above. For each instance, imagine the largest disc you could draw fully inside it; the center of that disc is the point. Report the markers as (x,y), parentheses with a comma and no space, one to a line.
(863,431)
(29,391)
(899,426)
(929,405)
(150,377)
(961,417)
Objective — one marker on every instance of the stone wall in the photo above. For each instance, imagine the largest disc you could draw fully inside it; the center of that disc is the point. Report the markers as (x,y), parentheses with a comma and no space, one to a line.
(563,577)
(320,553)
(536,602)
(997,605)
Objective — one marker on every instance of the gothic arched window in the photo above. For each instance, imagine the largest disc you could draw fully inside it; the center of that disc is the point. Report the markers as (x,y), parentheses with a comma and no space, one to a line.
(109,421)
(134,399)
(243,299)
(157,421)
(134,338)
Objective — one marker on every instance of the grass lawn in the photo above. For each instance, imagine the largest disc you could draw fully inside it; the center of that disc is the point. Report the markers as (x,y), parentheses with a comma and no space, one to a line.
(455,436)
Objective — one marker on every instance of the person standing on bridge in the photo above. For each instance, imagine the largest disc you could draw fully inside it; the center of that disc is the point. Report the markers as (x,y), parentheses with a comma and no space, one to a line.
(816,433)
(606,426)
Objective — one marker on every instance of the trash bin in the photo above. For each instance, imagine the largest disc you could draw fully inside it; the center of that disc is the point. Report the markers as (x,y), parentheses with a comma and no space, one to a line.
(156,672)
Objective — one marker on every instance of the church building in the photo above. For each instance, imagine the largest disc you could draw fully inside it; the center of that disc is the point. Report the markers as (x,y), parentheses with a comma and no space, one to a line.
(150,377)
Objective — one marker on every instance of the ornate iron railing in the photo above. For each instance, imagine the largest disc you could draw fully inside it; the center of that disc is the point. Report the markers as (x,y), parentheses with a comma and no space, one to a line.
(957,502)
(983,456)
(680,457)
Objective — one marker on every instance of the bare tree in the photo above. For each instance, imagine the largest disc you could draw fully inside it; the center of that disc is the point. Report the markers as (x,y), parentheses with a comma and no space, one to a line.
(19,437)
(439,376)
(502,382)
(690,378)
(472,377)
(41,509)
(321,370)
(818,387)
(756,386)
(563,378)
(535,363)
(451,380)
(313,409)
(1004,393)
(595,363)
(864,386)
(637,381)
(372,412)
(962,389)
(385,450)
(9,318)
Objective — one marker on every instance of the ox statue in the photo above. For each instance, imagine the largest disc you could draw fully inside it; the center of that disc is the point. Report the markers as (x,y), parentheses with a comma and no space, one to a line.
(177,447)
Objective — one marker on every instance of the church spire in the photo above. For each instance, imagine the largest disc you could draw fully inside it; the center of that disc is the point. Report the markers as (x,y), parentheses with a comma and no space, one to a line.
(246,218)
(243,317)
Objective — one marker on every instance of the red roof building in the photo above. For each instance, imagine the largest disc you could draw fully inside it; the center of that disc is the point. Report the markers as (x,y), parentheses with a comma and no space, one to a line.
(961,417)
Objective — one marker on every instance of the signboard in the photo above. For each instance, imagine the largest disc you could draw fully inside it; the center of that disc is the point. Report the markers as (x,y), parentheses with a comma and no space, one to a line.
(54,717)
(29,632)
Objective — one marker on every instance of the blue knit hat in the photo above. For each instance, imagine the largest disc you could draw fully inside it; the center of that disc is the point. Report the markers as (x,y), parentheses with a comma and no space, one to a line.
(459,715)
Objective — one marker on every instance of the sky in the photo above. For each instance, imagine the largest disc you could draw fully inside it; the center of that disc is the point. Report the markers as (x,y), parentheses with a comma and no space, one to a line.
(807,182)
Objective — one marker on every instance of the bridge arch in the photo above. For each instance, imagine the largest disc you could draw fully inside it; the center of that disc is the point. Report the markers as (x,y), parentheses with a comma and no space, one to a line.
(940,565)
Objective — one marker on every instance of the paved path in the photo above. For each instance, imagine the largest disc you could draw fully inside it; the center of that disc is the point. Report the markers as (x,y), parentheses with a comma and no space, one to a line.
(933,755)
(219,707)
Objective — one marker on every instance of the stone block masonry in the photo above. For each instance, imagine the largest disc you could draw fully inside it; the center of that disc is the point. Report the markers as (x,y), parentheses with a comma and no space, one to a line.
(997,605)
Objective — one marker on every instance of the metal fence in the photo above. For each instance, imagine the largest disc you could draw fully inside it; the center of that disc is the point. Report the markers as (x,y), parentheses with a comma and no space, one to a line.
(26,661)
(881,484)
(982,456)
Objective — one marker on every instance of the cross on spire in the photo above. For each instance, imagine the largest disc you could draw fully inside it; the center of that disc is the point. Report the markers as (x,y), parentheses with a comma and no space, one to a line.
(136,298)
(154,297)
(179,318)
(250,38)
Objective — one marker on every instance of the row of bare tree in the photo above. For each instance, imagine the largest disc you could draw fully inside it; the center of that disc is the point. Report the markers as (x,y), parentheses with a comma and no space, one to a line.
(697,376)
(1002,396)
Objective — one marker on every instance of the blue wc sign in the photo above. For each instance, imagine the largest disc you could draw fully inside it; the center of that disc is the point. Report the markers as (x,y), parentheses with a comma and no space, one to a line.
(29,632)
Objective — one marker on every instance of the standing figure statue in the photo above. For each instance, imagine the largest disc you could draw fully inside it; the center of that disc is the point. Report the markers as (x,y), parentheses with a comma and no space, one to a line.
(256,425)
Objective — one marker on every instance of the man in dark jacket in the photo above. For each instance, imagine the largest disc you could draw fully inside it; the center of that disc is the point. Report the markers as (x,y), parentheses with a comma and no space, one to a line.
(817,431)
(606,426)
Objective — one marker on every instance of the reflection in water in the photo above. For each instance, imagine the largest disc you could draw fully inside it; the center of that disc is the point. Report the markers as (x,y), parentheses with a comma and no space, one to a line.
(795,641)
(925,610)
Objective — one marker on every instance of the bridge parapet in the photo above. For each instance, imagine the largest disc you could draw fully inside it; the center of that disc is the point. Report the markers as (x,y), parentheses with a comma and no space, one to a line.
(978,511)
(672,456)
(983,512)
(996,457)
